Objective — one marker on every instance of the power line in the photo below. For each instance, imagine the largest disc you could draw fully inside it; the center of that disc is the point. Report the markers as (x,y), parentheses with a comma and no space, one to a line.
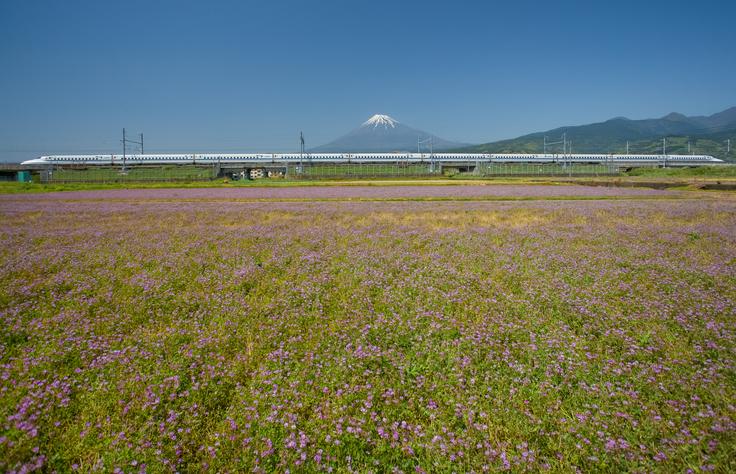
(429,140)
(125,142)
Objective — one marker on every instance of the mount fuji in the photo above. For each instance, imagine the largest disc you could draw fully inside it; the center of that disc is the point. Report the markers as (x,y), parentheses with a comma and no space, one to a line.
(382,133)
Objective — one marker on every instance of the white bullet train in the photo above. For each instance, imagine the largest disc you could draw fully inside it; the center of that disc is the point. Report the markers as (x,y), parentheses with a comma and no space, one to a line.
(296,158)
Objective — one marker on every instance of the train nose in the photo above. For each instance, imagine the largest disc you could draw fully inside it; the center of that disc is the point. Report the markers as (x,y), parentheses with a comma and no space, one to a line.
(36,161)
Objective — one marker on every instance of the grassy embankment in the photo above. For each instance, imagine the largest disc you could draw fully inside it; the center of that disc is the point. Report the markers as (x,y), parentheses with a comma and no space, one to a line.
(672,176)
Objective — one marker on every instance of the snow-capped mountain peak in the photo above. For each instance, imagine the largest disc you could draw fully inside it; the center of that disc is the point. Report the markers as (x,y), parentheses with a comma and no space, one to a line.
(382,133)
(379,119)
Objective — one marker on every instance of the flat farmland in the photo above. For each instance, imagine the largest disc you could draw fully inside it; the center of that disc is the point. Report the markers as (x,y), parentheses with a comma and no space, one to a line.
(379,191)
(368,329)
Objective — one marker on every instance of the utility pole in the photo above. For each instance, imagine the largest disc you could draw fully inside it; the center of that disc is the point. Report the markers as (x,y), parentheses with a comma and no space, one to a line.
(728,146)
(664,152)
(545,145)
(627,147)
(569,152)
(558,158)
(688,146)
(301,152)
(125,146)
(431,152)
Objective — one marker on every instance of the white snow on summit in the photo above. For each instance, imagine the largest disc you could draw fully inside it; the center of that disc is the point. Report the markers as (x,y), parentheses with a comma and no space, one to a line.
(379,119)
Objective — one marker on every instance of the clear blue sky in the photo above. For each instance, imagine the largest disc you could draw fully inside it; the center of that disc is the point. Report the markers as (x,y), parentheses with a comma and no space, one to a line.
(248,75)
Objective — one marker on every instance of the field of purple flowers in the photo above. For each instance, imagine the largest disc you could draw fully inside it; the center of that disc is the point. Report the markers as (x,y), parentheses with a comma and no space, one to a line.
(152,334)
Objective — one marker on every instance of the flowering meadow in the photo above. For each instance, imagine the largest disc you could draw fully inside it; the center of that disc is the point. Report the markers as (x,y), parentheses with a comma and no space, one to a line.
(209,330)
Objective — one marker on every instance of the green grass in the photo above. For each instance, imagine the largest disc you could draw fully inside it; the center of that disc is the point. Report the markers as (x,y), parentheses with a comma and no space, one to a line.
(724,171)
(503,169)
(22,188)
(135,173)
(327,176)
(321,170)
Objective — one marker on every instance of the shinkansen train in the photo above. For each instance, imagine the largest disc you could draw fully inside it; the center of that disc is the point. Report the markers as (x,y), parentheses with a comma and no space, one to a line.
(296,158)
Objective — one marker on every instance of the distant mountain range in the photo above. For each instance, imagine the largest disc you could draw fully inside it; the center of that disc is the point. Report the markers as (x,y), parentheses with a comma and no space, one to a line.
(706,135)
(703,135)
(382,133)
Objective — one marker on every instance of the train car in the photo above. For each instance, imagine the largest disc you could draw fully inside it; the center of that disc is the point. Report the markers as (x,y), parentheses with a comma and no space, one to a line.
(294,158)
